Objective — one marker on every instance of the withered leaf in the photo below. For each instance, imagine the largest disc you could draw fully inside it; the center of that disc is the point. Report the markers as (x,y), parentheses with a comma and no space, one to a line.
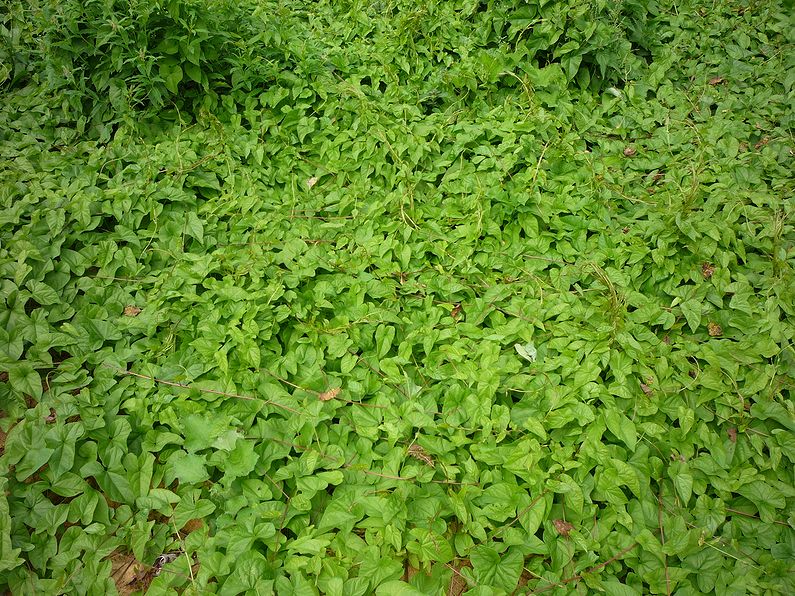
(131,310)
(629,151)
(419,453)
(646,389)
(456,311)
(329,395)
(732,432)
(716,80)
(311,182)
(563,527)
(714,329)
(128,574)
(707,269)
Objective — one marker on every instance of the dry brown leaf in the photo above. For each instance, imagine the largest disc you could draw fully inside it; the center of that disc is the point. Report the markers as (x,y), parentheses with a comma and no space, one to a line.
(128,574)
(762,143)
(131,310)
(732,432)
(646,389)
(714,329)
(716,80)
(458,584)
(329,395)
(456,311)
(629,151)
(409,572)
(707,269)
(563,527)
(192,525)
(419,453)
(312,181)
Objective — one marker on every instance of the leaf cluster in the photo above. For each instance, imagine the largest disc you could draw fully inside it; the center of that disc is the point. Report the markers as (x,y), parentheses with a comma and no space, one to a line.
(457,296)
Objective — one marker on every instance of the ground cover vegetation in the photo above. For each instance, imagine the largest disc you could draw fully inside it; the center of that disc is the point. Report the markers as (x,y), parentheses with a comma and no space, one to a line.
(396,297)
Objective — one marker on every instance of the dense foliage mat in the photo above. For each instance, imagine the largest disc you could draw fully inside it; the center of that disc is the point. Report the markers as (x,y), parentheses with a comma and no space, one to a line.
(397,297)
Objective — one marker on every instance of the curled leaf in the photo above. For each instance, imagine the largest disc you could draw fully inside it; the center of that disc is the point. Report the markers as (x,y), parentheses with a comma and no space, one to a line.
(329,395)
(527,351)
(456,312)
(419,453)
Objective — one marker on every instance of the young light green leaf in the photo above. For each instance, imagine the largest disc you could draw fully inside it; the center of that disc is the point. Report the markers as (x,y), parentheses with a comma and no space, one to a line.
(527,351)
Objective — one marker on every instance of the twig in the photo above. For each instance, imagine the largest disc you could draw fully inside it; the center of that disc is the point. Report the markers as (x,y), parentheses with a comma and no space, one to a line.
(521,513)
(269,402)
(752,516)
(538,164)
(662,541)
(578,577)
(356,467)
(320,394)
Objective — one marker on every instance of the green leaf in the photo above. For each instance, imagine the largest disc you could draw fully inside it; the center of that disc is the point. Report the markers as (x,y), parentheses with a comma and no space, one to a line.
(189,468)
(241,460)
(495,570)
(248,573)
(9,556)
(692,311)
(397,588)
(25,379)
(42,293)
(194,72)
(194,226)
(250,354)
(532,517)
(34,459)
(770,409)
(191,506)
(384,335)
(622,427)
(683,481)
(428,546)
(172,75)
(614,587)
